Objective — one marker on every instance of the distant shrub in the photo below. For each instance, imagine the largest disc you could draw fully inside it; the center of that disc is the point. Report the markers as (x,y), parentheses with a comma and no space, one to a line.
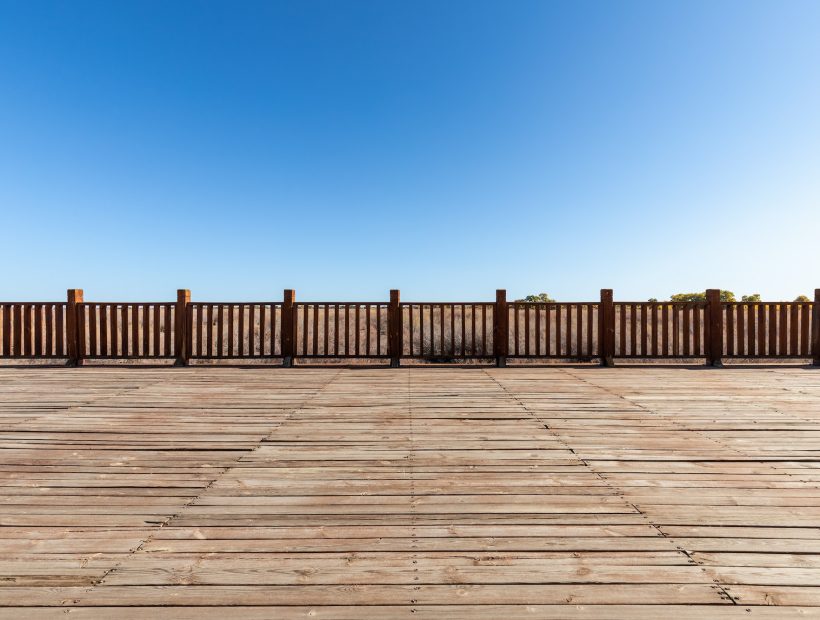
(802,298)
(541,298)
(753,298)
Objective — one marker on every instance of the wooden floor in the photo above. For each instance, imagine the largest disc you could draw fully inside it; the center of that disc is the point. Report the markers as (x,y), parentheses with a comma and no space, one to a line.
(432,493)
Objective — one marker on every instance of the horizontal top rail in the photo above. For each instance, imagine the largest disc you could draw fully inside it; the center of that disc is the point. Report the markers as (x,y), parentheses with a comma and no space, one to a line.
(341,303)
(766,303)
(697,304)
(234,303)
(553,303)
(447,303)
(126,303)
(32,303)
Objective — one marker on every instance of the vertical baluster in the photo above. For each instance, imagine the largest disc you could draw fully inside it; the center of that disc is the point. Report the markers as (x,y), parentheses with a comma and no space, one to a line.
(548,330)
(49,335)
(209,341)
(441,333)
(665,319)
(558,330)
(169,320)
(655,330)
(38,329)
(135,330)
(81,331)
(751,327)
(772,326)
(516,315)
(452,330)
(6,330)
(263,330)
(146,329)
(463,350)
(92,329)
(27,321)
(783,324)
(484,329)
(367,348)
(358,330)
(804,330)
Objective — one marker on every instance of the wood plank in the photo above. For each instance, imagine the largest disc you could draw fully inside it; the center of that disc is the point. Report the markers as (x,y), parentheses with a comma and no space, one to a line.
(576,492)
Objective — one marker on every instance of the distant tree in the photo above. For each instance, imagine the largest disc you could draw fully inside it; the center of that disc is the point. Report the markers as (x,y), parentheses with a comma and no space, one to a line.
(727,296)
(688,297)
(802,298)
(541,298)
(753,298)
(653,300)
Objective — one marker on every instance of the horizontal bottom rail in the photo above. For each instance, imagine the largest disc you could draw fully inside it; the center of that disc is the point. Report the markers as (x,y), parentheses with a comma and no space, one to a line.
(127,357)
(519,361)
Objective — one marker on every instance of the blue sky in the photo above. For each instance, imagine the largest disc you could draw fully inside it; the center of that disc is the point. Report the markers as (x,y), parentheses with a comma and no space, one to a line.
(444,148)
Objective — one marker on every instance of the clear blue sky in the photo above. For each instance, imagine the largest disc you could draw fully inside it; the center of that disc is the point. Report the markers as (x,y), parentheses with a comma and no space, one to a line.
(444,148)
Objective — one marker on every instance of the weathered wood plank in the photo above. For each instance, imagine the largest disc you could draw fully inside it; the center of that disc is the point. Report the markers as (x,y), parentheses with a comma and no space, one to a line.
(546,492)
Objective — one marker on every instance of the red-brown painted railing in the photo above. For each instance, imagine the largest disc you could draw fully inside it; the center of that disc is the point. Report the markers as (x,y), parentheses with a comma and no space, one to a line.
(233,330)
(434,330)
(341,329)
(185,331)
(553,330)
(33,329)
(125,330)
(663,329)
(767,329)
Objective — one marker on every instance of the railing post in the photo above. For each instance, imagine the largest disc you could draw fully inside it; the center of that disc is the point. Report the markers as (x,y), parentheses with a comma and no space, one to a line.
(815,328)
(501,335)
(715,309)
(181,327)
(288,328)
(394,329)
(72,331)
(606,328)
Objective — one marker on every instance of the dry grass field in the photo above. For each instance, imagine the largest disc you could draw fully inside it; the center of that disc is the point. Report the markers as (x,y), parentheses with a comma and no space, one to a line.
(439,493)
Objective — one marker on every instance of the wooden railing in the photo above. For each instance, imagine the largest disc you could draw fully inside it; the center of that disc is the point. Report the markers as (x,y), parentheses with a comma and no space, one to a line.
(553,330)
(125,330)
(79,332)
(767,329)
(663,329)
(340,329)
(33,329)
(233,330)
(447,330)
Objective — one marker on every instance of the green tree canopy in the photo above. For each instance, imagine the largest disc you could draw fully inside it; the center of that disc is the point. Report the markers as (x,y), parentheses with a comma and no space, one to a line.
(727,296)
(754,297)
(802,298)
(542,298)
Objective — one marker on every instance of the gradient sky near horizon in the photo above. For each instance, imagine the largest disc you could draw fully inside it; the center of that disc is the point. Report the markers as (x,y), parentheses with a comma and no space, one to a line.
(443,148)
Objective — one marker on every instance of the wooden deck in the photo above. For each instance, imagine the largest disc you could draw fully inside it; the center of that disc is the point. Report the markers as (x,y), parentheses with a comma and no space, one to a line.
(431,493)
